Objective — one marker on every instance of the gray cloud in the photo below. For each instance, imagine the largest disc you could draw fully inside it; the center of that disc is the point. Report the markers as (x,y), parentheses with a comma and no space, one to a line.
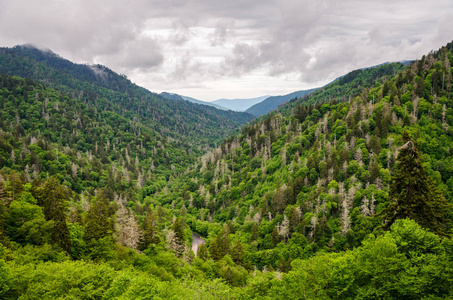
(141,54)
(198,43)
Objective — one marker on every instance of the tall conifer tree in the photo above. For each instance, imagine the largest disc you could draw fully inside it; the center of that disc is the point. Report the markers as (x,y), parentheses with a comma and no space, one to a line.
(414,194)
(52,197)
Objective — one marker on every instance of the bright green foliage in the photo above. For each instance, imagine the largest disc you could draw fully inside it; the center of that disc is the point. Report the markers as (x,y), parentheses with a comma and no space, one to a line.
(82,280)
(406,263)
(26,223)
(414,194)
(314,175)
(289,207)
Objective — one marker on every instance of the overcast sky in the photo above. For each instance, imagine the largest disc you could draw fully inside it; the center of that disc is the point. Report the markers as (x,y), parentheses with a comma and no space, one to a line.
(210,49)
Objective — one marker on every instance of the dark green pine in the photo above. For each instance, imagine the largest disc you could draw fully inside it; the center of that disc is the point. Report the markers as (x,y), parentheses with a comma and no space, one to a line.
(414,194)
(52,198)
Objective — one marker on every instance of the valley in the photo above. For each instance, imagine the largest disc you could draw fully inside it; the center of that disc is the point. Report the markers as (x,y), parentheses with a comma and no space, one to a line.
(108,190)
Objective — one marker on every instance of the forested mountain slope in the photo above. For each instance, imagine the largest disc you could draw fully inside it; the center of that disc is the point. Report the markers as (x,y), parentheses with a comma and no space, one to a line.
(304,202)
(104,89)
(316,179)
(346,87)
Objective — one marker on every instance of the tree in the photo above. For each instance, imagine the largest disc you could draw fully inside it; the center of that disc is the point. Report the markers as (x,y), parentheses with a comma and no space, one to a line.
(275,236)
(16,186)
(202,252)
(220,246)
(127,230)
(150,231)
(175,237)
(52,198)
(414,194)
(237,252)
(4,200)
(254,232)
(100,218)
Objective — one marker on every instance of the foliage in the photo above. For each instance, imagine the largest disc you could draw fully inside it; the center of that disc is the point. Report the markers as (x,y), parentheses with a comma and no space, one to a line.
(289,207)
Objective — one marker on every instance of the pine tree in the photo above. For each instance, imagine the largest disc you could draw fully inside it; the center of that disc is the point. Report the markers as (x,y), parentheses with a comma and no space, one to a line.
(202,252)
(100,218)
(179,237)
(150,231)
(237,252)
(52,198)
(275,237)
(414,194)
(4,201)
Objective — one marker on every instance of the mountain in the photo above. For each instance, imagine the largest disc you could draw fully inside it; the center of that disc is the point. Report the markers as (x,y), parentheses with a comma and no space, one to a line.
(192,100)
(272,103)
(169,96)
(321,172)
(239,104)
(107,90)
(343,193)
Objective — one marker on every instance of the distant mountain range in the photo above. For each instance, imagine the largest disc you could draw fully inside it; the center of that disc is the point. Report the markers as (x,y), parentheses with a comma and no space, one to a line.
(172,96)
(272,103)
(262,105)
(239,104)
(255,106)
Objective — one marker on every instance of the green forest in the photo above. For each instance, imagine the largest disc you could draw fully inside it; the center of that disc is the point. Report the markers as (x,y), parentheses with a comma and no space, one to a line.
(345,193)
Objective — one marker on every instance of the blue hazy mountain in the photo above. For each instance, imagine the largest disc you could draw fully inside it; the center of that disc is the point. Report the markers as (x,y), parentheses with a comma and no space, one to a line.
(172,96)
(239,104)
(274,102)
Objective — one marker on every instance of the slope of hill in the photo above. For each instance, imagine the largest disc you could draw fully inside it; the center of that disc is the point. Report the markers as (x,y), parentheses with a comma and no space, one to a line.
(347,86)
(239,104)
(315,175)
(298,203)
(272,103)
(192,100)
(199,125)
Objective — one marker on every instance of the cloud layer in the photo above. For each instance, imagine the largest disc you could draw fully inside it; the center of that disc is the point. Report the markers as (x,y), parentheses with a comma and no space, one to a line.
(236,48)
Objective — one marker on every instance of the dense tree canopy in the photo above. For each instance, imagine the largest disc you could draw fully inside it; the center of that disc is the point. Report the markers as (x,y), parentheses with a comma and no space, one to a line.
(100,192)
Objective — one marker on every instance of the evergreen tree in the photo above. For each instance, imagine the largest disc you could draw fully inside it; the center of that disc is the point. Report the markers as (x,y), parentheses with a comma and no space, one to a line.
(16,186)
(275,236)
(150,231)
(52,198)
(177,238)
(100,218)
(3,209)
(414,194)
(220,246)
(202,252)
(237,252)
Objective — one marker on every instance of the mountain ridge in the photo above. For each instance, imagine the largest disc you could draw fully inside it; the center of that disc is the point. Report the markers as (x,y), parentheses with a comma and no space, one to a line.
(239,104)
(178,97)
(273,102)
(120,94)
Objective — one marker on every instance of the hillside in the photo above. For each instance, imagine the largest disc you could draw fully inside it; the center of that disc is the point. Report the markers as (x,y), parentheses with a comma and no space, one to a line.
(192,100)
(98,85)
(316,179)
(345,193)
(274,102)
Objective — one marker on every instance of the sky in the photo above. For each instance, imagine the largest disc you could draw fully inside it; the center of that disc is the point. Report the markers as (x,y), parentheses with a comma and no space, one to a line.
(211,49)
